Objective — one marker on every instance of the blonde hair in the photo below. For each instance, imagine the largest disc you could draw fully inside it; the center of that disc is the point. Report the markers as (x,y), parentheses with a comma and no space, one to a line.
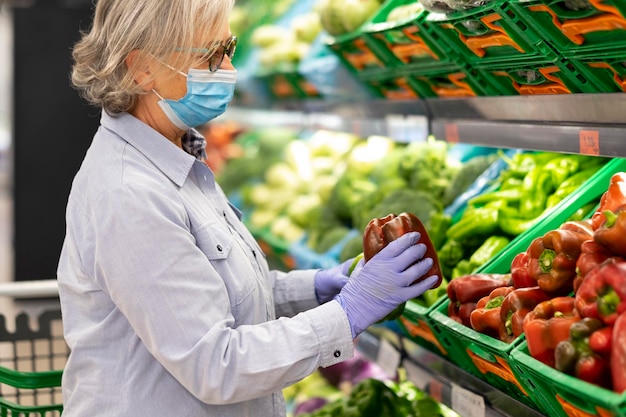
(155,27)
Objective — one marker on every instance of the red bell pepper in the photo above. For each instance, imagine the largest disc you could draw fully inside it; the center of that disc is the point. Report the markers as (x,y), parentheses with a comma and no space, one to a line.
(517,305)
(575,356)
(520,273)
(612,198)
(486,316)
(612,232)
(552,259)
(602,294)
(548,325)
(601,340)
(591,255)
(464,292)
(594,369)
(578,226)
(618,354)
(379,232)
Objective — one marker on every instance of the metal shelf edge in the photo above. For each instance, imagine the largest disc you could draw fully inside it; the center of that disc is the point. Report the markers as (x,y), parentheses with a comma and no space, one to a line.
(599,140)
(441,374)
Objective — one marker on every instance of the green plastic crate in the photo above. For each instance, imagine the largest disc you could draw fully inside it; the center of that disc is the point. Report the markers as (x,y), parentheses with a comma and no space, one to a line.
(493,33)
(489,358)
(450,81)
(356,53)
(392,85)
(407,42)
(551,74)
(416,325)
(288,85)
(599,26)
(608,69)
(562,395)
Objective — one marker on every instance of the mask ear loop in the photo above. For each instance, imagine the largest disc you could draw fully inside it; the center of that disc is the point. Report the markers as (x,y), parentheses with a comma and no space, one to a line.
(170,67)
(157,94)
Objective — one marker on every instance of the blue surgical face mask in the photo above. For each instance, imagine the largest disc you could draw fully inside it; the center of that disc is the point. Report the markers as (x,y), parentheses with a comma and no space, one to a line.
(208,94)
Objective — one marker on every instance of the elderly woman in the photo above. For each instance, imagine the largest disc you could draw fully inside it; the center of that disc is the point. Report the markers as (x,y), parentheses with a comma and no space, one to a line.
(168,304)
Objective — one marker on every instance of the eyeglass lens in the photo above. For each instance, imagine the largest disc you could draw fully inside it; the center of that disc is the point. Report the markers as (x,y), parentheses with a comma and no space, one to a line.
(228,49)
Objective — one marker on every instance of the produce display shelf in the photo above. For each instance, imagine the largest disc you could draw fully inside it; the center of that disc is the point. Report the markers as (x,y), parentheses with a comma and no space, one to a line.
(574,123)
(589,124)
(440,378)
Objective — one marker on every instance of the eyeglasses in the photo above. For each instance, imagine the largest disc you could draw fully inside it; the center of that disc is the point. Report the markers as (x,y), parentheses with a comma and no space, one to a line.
(217,56)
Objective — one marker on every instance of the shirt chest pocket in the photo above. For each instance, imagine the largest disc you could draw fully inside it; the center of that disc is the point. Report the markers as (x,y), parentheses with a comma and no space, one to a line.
(228,260)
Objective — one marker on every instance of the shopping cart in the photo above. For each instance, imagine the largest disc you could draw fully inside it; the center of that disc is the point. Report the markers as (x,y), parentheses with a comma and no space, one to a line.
(32,357)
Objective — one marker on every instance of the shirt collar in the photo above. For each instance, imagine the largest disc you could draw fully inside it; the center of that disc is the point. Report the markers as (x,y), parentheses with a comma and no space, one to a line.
(169,158)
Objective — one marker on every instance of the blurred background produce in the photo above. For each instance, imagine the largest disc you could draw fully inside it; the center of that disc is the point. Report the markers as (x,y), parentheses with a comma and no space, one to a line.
(359,388)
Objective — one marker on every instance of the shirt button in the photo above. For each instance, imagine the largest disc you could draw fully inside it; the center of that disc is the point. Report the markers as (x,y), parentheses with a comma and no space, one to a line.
(337,353)
(219,248)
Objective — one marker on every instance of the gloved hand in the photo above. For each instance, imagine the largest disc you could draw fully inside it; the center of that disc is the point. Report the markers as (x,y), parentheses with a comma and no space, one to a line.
(385,282)
(328,282)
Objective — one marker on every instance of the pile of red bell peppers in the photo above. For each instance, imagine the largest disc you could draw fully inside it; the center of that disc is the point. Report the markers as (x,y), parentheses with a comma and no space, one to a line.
(566,293)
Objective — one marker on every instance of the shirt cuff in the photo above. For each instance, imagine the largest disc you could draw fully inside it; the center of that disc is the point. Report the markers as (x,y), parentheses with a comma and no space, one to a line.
(331,324)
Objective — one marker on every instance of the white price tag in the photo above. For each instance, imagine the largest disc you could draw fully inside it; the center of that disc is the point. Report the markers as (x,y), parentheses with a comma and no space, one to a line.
(406,129)
(388,358)
(416,375)
(466,403)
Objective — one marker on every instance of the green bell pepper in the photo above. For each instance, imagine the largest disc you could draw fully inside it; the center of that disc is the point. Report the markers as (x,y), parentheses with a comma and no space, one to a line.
(537,187)
(475,221)
(488,250)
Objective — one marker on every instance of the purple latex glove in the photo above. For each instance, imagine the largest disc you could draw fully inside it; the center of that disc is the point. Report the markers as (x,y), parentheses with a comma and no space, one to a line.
(328,282)
(384,282)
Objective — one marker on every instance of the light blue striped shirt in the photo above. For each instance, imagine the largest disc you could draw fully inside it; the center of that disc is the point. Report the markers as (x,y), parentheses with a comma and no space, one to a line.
(168,304)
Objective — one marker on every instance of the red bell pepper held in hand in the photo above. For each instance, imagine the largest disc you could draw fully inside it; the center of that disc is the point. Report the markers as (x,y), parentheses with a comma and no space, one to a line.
(486,316)
(548,325)
(553,257)
(517,305)
(618,354)
(612,198)
(591,255)
(464,292)
(612,232)
(520,273)
(602,294)
(379,232)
